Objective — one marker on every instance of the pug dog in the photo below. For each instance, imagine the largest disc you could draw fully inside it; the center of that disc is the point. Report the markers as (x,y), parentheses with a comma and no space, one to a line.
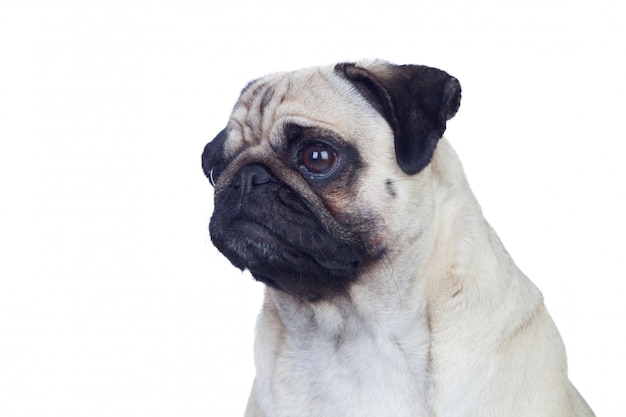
(387,292)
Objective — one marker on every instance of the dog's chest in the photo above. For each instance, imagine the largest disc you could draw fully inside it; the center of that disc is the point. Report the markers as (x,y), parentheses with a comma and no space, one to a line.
(359,374)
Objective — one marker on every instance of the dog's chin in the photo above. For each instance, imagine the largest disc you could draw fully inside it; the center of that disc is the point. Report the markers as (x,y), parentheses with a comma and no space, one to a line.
(287,264)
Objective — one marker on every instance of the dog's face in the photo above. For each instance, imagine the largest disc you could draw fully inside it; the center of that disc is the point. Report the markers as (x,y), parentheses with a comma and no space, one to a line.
(306,171)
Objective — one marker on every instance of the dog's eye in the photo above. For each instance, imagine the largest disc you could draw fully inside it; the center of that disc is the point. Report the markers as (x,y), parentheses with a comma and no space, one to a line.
(317,158)
(215,172)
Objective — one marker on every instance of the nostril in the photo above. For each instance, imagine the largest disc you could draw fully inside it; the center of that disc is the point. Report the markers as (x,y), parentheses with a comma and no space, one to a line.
(252,175)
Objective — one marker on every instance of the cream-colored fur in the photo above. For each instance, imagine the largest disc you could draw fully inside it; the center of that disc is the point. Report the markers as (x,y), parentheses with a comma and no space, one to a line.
(445,325)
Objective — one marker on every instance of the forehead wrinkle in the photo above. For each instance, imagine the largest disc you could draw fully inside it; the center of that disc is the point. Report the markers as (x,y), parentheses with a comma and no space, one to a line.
(289,107)
(267,97)
(247,116)
(248,86)
(251,91)
(270,106)
(307,97)
(312,100)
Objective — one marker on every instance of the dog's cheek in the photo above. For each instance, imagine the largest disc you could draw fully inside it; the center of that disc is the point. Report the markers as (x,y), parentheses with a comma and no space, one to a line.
(337,203)
(362,219)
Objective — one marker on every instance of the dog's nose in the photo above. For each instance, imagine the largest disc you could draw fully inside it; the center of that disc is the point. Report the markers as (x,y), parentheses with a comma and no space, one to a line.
(251,176)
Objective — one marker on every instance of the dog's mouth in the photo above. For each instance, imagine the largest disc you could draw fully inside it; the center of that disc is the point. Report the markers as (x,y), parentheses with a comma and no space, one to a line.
(280,241)
(310,267)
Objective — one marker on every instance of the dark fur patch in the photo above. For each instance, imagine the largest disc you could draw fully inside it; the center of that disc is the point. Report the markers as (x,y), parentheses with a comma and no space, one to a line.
(391,190)
(248,86)
(267,98)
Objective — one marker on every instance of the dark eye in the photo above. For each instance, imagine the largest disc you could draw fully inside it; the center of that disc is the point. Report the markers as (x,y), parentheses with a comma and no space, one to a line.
(317,158)
(215,172)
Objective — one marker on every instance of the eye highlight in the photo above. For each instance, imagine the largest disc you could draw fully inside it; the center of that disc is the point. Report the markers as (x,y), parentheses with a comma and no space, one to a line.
(317,158)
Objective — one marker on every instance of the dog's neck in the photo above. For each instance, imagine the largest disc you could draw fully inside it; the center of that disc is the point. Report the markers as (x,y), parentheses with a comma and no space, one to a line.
(471,268)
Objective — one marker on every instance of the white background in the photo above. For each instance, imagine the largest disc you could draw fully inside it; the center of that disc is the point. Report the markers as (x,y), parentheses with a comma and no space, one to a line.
(113,301)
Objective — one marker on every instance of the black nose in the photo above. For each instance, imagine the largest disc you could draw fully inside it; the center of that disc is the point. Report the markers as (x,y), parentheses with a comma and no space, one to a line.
(251,176)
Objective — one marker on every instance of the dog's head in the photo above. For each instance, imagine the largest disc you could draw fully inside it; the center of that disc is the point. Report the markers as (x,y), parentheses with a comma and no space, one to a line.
(305,172)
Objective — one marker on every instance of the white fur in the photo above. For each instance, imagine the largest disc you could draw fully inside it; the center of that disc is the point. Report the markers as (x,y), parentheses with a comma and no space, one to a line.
(445,325)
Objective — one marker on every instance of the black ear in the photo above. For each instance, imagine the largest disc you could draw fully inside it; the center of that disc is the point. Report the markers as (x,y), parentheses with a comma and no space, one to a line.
(415,100)
(212,154)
